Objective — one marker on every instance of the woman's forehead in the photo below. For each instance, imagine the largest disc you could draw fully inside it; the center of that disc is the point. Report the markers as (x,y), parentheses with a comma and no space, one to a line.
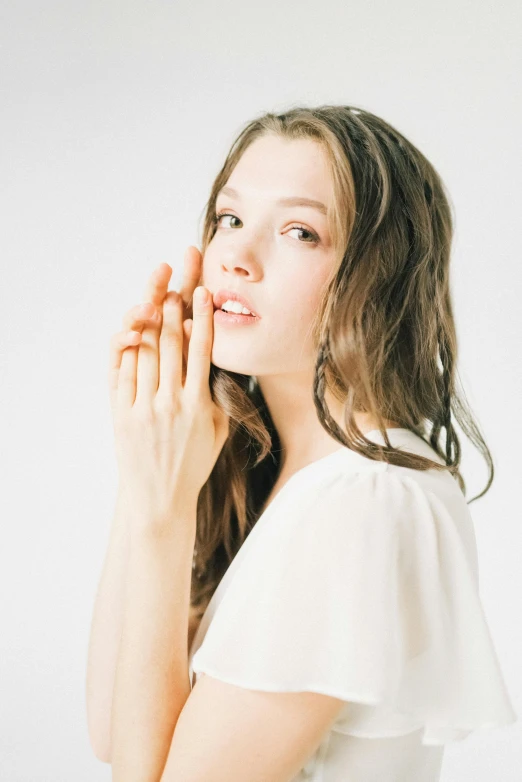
(275,169)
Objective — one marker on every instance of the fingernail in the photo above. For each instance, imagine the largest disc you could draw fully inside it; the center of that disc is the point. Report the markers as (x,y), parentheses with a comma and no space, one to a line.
(172,298)
(201,294)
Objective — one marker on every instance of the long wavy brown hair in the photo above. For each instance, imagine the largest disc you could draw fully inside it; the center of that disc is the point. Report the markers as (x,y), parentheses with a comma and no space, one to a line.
(385,333)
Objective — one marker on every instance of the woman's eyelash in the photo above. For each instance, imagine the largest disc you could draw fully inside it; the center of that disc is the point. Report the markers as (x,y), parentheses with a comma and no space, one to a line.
(222,214)
(315,237)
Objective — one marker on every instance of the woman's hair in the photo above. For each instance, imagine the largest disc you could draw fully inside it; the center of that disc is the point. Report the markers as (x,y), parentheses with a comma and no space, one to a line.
(384,334)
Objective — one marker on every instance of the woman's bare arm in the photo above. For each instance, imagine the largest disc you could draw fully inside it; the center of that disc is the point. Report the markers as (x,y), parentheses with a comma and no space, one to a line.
(107,620)
(105,635)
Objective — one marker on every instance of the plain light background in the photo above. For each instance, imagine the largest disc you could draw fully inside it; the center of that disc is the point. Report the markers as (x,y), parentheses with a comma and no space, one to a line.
(116,116)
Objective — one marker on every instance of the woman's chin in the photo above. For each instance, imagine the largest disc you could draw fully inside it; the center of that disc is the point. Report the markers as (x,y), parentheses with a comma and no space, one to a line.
(233,363)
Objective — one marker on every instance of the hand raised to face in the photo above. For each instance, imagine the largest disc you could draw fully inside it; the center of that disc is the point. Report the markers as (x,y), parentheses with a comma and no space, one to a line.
(168,430)
(150,313)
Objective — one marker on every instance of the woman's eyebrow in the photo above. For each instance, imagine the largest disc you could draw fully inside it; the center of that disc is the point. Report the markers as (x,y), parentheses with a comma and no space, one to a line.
(287,201)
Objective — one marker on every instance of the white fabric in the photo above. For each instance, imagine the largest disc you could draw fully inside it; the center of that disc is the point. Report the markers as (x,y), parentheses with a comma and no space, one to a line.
(360,581)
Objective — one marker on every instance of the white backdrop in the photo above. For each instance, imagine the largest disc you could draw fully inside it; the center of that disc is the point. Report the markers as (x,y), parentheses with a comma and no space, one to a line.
(116,116)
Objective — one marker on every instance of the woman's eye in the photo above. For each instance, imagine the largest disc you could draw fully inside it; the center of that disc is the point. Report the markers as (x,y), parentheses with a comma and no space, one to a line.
(313,237)
(218,217)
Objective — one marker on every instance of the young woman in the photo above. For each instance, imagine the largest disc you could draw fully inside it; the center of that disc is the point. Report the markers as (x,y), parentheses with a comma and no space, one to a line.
(291,502)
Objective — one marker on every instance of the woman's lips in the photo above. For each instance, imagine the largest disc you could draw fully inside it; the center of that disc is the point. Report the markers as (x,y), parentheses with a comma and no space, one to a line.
(223,295)
(234,318)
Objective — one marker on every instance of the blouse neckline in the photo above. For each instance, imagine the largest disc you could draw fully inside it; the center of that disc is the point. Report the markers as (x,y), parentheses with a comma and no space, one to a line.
(334,454)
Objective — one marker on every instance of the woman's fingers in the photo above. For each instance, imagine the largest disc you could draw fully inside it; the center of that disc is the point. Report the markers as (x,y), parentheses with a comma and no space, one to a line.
(155,290)
(200,346)
(192,276)
(192,272)
(147,370)
(142,326)
(171,348)
(148,354)
(137,316)
(133,323)
(187,331)
(158,283)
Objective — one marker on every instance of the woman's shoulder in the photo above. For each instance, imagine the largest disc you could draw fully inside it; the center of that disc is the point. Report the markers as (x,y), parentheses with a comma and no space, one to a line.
(348,495)
(361,469)
(334,496)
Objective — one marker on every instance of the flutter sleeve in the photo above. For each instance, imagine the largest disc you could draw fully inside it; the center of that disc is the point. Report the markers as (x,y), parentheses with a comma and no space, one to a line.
(362,588)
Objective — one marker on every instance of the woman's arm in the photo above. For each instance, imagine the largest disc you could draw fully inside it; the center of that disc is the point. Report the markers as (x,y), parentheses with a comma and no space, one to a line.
(152,673)
(105,635)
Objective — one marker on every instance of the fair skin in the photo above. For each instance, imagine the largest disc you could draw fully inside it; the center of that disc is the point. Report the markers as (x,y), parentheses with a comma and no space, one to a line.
(218,731)
(283,273)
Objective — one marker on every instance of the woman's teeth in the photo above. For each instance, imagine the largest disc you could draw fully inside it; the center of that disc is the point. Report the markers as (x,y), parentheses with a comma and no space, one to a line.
(235,306)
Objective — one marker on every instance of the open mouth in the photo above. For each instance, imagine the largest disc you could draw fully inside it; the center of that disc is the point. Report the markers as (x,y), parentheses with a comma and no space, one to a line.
(222,316)
(231,302)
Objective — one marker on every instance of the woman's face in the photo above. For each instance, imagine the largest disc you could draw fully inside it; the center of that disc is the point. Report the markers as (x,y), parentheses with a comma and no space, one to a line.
(278,256)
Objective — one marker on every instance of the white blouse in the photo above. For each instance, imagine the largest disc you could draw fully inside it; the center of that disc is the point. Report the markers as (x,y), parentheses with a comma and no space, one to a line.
(360,580)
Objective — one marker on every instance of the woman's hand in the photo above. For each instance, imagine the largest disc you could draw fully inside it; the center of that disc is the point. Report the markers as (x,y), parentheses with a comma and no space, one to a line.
(168,431)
